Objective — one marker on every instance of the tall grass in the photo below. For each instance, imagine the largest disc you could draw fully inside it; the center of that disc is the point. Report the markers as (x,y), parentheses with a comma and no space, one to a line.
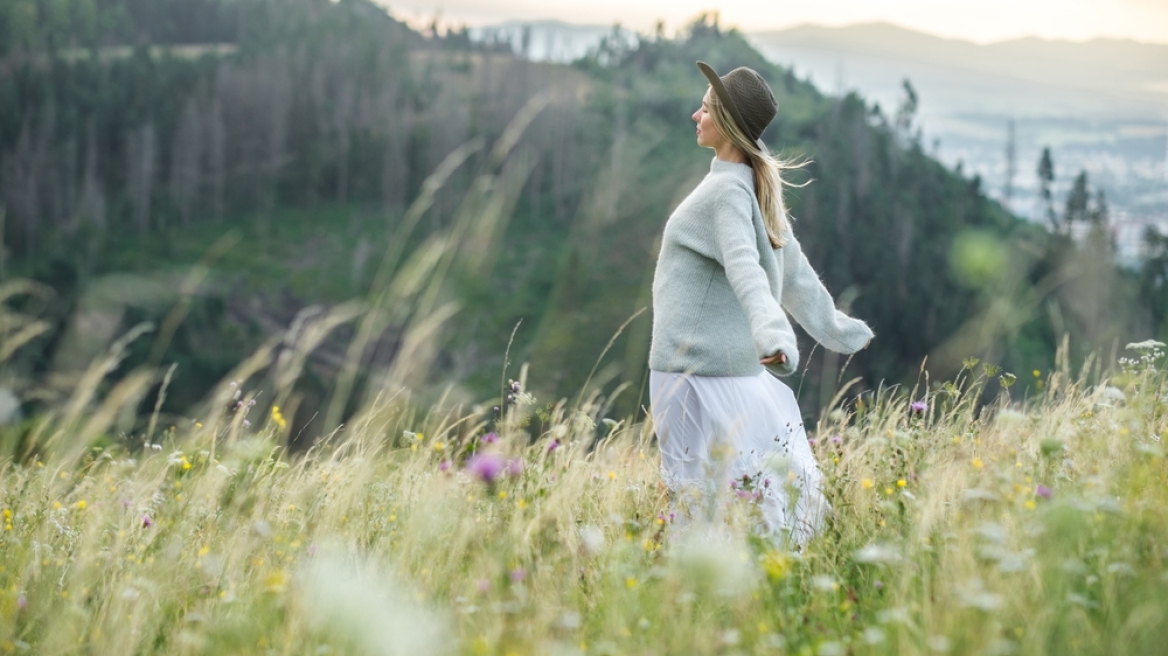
(1026,526)
(1033,527)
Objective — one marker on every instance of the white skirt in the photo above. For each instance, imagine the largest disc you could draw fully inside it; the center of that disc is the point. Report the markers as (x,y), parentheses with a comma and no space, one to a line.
(737,436)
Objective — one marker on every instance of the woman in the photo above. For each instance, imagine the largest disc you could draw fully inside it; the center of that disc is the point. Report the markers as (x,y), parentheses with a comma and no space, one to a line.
(728,267)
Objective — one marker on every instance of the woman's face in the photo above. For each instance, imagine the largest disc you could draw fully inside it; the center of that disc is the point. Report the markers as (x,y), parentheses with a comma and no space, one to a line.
(708,135)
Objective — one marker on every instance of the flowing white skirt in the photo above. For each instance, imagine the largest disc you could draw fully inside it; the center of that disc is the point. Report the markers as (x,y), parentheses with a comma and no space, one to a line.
(738,437)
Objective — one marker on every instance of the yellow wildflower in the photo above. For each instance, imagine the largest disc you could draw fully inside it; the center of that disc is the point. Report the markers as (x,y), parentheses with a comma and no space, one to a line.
(278,418)
(977,463)
(631,582)
(81,505)
(867,483)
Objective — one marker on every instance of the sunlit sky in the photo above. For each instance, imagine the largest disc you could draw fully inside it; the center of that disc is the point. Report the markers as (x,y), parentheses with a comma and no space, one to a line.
(982,21)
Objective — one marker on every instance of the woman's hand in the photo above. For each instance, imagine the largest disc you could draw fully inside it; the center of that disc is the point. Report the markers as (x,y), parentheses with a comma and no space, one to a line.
(777,358)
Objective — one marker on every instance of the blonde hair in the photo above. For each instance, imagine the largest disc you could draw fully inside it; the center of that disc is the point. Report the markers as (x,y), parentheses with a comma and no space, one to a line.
(768,171)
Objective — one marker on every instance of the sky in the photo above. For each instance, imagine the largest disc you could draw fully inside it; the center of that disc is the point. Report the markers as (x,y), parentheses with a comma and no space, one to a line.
(981,21)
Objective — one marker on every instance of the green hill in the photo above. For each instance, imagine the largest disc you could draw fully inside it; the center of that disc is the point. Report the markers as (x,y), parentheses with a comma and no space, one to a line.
(308,136)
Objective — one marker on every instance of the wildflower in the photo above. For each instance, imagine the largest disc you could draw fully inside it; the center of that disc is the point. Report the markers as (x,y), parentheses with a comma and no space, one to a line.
(439,446)
(515,467)
(867,483)
(901,483)
(1146,345)
(612,475)
(81,504)
(631,582)
(775,564)
(147,522)
(22,602)
(278,418)
(1043,491)
(918,407)
(977,463)
(484,586)
(485,466)
(186,464)
(518,574)
(836,439)
(592,539)
(555,444)
(246,424)
(490,438)
(444,465)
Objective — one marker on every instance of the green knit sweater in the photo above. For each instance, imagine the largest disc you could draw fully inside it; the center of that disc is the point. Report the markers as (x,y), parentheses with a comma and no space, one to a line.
(718,287)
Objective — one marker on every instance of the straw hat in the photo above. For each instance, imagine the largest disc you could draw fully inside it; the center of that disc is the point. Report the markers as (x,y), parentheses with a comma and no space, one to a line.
(746,95)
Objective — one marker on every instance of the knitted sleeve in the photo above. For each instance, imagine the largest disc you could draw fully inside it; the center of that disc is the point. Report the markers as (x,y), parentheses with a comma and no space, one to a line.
(736,249)
(805,297)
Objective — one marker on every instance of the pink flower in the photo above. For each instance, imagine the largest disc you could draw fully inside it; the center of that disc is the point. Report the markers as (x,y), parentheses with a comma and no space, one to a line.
(490,438)
(484,586)
(518,574)
(146,521)
(485,466)
(918,407)
(22,602)
(555,444)
(515,467)
(444,465)
(1042,491)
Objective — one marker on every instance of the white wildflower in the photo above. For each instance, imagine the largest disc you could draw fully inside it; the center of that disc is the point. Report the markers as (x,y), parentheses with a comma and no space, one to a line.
(715,563)
(879,554)
(374,611)
(592,539)
(1146,345)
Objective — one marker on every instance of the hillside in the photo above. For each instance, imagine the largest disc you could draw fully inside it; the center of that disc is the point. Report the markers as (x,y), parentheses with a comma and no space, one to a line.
(250,188)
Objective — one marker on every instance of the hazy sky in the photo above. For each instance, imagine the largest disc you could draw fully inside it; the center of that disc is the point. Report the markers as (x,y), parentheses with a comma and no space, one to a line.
(976,20)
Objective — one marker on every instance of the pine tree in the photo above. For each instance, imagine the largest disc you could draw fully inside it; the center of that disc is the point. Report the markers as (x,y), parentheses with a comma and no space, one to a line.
(1077,201)
(1045,180)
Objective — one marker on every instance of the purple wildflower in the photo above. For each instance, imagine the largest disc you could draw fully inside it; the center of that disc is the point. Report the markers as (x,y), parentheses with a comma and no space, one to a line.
(1042,491)
(918,407)
(878,585)
(515,467)
(812,441)
(444,465)
(555,444)
(484,586)
(22,602)
(146,521)
(490,438)
(486,466)
(518,574)
(836,439)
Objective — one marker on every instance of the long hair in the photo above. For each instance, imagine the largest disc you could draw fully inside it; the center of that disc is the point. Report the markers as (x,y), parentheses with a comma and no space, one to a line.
(768,172)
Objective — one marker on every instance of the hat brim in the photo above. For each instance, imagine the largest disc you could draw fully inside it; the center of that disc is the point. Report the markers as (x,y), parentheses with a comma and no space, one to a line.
(723,95)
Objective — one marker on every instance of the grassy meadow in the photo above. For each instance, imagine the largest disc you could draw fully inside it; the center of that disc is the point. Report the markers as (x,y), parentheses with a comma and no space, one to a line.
(1019,526)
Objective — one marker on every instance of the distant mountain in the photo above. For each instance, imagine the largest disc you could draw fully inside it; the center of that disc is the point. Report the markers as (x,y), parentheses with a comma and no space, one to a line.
(1104,77)
(1101,105)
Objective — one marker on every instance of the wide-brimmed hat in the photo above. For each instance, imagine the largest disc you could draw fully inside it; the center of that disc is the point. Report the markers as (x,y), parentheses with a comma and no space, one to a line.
(746,95)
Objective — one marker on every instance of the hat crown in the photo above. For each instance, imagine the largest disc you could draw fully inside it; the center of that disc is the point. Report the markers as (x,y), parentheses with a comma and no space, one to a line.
(747,95)
(753,98)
